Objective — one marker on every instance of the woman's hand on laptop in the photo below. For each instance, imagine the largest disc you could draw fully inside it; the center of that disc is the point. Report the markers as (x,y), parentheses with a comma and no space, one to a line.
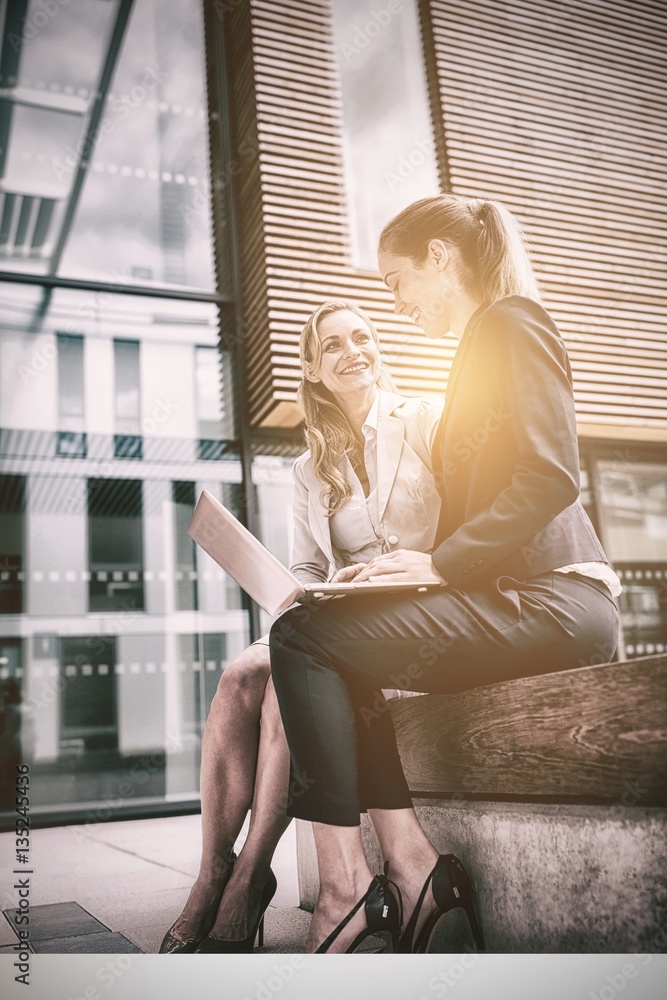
(348,573)
(401,566)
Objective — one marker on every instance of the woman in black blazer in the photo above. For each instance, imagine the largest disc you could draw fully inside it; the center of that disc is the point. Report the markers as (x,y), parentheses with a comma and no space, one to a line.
(526,587)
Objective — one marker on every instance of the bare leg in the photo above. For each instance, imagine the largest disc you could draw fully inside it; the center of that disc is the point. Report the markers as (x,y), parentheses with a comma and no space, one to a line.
(239,910)
(411,857)
(345,876)
(228,764)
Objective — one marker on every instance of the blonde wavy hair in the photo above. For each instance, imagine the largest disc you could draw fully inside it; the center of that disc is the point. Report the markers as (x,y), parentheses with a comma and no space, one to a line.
(328,433)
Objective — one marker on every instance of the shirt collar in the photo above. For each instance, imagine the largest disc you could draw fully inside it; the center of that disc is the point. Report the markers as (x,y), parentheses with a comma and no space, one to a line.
(370,424)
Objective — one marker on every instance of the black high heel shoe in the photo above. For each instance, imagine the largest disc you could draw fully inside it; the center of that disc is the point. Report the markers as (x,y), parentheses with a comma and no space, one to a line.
(171,945)
(383,914)
(218,946)
(452,888)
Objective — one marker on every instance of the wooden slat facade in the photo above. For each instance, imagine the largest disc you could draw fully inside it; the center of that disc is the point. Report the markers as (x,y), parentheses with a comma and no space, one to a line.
(558,112)
(561,113)
(292,213)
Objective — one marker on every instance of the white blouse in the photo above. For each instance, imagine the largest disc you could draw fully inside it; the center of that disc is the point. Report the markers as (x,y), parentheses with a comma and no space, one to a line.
(355,529)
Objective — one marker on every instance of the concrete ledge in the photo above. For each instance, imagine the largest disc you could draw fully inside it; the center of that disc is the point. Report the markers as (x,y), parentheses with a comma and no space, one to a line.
(550,878)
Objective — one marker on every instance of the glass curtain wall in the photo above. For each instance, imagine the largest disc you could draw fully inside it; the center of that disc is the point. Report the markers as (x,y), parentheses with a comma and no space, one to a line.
(116,407)
(630,486)
(624,490)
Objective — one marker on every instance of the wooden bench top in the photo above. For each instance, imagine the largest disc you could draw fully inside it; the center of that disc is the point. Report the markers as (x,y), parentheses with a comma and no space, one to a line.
(594,734)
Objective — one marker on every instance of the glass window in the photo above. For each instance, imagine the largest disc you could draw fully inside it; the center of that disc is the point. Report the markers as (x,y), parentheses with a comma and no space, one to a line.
(46,99)
(126,366)
(144,209)
(36,39)
(70,381)
(127,440)
(130,560)
(73,334)
(110,378)
(115,545)
(124,200)
(71,436)
(215,415)
(88,684)
(184,547)
(209,403)
(16,725)
(12,543)
(632,500)
(388,142)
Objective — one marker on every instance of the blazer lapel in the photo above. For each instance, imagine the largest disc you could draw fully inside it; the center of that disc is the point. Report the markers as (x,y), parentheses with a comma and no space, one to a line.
(389,446)
(319,523)
(454,376)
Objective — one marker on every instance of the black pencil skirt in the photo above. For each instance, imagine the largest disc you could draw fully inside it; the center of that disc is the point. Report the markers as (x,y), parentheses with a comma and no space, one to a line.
(329,662)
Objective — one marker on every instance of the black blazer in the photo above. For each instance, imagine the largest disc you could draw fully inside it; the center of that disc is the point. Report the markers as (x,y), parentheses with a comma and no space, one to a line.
(505,455)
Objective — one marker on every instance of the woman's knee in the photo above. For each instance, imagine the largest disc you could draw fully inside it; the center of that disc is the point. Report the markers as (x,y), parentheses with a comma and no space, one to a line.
(294,632)
(246,676)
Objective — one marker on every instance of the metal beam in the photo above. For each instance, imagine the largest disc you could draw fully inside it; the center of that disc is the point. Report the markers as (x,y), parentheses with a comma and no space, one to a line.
(52,281)
(221,141)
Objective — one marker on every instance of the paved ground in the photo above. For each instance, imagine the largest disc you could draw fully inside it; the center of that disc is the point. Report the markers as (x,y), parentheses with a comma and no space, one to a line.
(130,880)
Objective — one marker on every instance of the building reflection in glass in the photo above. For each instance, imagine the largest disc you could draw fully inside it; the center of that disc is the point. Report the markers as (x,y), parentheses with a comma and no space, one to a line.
(632,499)
(116,410)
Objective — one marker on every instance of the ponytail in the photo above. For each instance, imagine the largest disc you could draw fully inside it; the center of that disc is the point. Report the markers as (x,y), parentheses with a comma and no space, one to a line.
(493,254)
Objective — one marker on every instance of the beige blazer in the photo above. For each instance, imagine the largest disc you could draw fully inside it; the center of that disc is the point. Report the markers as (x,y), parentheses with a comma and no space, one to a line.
(408,502)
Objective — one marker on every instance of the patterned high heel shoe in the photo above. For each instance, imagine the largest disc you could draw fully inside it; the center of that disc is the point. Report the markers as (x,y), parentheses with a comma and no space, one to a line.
(172,945)
(218,946)
(452,888)
(383,914)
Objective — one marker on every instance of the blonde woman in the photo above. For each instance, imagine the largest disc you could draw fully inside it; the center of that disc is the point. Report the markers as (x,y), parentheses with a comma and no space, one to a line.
(363,488)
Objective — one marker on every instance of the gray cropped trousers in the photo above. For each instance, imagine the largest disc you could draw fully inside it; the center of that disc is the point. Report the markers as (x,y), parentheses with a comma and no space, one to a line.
(329,662)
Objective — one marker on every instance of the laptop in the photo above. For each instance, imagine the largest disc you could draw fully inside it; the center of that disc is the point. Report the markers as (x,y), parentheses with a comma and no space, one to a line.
(258,572)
